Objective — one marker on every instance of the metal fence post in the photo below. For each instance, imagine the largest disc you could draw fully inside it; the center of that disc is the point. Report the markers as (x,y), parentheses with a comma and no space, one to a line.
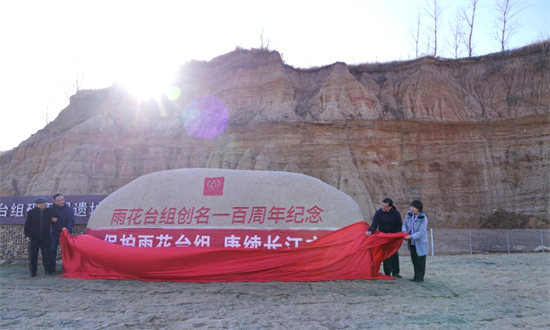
(432,233)
(470,242)
(508,240)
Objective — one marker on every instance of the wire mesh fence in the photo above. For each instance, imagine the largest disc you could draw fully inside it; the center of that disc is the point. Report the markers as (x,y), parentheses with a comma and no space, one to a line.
(471,241)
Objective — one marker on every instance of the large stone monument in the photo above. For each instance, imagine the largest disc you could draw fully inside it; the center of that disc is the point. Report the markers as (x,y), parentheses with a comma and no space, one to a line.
(222,208)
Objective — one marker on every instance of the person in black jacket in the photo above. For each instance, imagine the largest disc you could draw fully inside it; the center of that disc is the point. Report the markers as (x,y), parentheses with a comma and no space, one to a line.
(388,220)
(65,219)
(37,229)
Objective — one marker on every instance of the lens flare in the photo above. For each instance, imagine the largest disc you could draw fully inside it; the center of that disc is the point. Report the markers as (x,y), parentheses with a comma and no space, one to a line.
(173,93)
(205,118)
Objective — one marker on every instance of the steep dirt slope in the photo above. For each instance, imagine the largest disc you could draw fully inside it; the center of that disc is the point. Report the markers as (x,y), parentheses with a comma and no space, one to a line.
(469,137)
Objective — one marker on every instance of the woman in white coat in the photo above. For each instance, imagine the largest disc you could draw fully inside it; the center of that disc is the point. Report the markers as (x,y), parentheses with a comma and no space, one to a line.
(416,224)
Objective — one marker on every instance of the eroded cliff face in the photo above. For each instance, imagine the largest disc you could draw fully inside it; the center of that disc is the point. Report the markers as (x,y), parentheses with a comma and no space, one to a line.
(470,138)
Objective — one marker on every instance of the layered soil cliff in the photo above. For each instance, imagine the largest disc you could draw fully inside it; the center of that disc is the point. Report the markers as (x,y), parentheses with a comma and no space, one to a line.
(470,137)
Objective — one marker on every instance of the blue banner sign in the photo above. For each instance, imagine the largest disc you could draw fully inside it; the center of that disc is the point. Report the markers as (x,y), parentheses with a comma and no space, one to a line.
(13,210)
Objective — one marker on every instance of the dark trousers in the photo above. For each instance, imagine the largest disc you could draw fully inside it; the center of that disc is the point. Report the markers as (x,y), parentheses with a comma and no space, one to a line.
(391,265)
(54,243)
(419,264)
(44,246)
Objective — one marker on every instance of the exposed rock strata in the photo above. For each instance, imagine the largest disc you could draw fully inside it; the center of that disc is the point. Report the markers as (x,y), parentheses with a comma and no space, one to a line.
(471,137)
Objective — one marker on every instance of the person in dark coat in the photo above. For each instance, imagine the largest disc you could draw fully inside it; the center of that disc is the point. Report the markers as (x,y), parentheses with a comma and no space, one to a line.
(387,219)
(65,219)
(37,230)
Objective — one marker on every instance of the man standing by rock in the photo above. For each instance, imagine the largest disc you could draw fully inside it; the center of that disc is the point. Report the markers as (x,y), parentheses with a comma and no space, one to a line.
(65,219)
(387,219)
(37,232)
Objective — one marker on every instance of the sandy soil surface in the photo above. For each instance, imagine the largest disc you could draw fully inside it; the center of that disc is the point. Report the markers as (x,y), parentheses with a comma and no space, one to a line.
(498,291)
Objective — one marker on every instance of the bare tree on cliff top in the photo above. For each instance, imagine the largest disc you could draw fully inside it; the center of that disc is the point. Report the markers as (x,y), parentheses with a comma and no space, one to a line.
(506,26)
(415,34)
(468,15)
(457,33)
(76,86)
(434,11)
(263,46)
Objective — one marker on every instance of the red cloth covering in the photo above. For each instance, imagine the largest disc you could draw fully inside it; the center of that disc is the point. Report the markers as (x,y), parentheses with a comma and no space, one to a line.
(345,254)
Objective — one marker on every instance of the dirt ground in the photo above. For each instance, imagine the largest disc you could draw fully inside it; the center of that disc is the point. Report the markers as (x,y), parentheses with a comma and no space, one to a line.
(496,291)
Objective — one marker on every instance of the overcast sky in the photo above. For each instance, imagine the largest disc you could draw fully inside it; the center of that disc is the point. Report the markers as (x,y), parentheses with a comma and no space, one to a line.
(46,45)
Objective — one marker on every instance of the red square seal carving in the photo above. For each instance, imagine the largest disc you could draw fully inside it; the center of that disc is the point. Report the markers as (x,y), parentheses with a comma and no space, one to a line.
(213,186)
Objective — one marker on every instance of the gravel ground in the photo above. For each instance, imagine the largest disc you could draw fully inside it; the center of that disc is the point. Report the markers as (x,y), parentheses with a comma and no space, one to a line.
(496,291)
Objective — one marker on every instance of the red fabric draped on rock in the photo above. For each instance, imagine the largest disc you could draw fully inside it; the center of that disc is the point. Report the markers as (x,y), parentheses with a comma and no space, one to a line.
(345,254)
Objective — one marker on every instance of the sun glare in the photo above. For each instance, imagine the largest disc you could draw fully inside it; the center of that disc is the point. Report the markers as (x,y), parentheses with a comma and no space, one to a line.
(148,83)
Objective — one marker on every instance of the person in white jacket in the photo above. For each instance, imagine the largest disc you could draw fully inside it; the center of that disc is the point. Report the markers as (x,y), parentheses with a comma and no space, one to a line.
(416,224)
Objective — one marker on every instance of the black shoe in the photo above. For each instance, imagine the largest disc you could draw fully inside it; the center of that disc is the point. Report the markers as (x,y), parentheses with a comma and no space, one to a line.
(32,275)
(416,280)
(397,276)
(49,273)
